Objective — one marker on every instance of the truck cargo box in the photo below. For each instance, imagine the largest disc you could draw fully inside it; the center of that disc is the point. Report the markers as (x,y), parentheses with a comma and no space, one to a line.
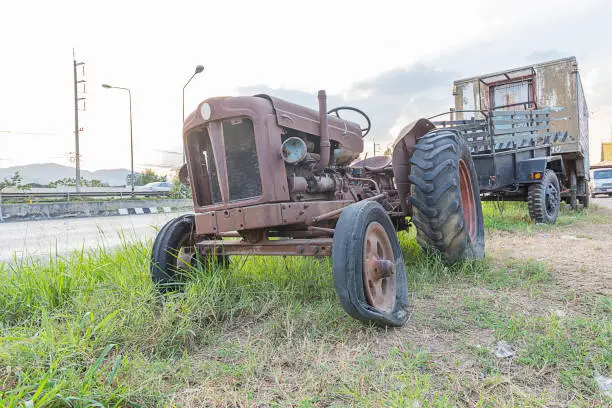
(553,84)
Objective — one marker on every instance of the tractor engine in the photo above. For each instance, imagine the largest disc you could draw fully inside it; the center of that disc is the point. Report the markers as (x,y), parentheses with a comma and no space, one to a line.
(306,182)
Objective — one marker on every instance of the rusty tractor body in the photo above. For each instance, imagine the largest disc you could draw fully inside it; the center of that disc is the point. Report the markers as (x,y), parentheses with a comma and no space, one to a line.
(283,179)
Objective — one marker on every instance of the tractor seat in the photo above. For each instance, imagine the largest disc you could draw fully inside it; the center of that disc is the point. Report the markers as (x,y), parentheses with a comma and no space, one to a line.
(374,163)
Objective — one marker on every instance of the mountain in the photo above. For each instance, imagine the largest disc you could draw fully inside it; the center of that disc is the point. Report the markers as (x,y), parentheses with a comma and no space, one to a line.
(47,172)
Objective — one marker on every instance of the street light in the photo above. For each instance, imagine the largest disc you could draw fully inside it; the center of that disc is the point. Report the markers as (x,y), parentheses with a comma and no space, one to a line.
(131,135)
(198,69)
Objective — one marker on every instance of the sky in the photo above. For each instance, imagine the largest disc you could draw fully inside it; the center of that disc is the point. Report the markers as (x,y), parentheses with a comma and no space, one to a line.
(395,60)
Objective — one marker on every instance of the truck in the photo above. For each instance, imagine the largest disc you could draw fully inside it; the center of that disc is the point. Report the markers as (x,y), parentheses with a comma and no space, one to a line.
(527,131)
(272,178)
(602,181)
(601,173)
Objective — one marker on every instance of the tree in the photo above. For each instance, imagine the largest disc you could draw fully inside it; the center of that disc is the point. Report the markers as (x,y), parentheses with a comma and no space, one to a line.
(67,181)
(15,181)
(146,177)
(179,190)
(95,183)
(71,182)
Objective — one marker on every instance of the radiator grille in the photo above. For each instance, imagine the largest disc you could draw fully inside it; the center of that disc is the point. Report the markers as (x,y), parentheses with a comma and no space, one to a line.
(241,159)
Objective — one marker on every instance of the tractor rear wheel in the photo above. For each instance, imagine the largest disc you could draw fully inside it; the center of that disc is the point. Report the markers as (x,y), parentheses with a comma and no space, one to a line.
(368,266)
(544,198)
(445,197)
(174,254)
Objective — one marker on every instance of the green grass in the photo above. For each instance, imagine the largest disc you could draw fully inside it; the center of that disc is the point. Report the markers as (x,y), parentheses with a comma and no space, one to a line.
(89,329)
(514,217)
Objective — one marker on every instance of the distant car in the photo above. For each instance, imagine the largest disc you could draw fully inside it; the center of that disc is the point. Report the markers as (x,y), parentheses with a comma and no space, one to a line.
(602,182)
(156,186)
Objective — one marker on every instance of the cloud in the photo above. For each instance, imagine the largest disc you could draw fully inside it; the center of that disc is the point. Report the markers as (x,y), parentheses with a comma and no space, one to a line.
(389,98)
(548,55)
(402,81)
(398,96)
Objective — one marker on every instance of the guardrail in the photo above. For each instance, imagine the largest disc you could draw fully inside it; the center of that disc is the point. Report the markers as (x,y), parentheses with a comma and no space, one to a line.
(74,194)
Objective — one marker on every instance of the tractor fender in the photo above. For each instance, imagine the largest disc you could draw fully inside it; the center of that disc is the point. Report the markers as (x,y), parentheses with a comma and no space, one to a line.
(537,165)
(403,146)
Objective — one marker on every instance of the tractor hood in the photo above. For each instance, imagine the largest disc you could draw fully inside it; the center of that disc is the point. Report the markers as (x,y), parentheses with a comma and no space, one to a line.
(288,115)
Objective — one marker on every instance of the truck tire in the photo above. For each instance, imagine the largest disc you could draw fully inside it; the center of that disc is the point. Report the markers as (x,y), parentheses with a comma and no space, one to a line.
(173,253)
(544,199)
(368,267)
(573,184)
(445,196)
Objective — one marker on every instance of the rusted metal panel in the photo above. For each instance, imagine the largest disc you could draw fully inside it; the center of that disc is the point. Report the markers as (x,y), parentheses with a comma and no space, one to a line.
(298,117)
(263,216)
(284,247)
(583,124)
(267,141)
(271,118)
(403,146)
(550,84)
(556,86)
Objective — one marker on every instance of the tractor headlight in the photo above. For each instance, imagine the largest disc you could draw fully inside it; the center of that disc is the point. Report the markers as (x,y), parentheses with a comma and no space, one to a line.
(205,111)
(293,150)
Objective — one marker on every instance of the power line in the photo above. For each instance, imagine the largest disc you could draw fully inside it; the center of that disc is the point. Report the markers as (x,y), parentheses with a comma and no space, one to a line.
(12,132)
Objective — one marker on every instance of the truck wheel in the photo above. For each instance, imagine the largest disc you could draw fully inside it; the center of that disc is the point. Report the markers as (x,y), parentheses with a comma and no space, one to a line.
(544,199)
(368,266)
(573,182)
(445,197)
(174,253)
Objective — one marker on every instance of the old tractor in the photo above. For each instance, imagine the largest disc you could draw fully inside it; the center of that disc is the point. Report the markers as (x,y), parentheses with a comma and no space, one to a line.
(270,177)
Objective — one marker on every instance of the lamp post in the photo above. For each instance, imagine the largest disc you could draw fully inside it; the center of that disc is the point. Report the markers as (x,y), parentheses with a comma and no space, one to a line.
(131,135)
(198,69)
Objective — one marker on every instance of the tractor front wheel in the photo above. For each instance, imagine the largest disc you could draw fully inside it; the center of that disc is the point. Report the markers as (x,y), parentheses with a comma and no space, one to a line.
(174,254)
(447,212)
(368,266)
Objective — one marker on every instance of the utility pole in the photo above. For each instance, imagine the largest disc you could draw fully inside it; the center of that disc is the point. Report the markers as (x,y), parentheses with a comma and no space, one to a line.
(376,147)
(77,154)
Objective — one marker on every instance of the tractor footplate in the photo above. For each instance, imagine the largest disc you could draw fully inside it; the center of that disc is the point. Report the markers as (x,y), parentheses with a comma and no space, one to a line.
(296,247)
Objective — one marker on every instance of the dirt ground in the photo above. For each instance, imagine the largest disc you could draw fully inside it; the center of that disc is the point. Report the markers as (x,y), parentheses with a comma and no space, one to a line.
(580,255)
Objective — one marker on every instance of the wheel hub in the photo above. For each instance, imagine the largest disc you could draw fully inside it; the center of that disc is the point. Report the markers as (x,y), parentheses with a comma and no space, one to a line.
(379,279)
(551,199)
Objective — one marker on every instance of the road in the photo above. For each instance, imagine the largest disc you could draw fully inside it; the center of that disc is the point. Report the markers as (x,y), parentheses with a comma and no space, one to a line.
(42,238)
(602,201)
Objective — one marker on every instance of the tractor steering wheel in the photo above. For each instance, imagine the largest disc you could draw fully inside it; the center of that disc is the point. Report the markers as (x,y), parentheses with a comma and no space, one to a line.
(364,131)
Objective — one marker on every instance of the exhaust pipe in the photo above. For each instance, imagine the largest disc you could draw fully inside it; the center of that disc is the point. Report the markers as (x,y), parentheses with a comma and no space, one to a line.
(325,145)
